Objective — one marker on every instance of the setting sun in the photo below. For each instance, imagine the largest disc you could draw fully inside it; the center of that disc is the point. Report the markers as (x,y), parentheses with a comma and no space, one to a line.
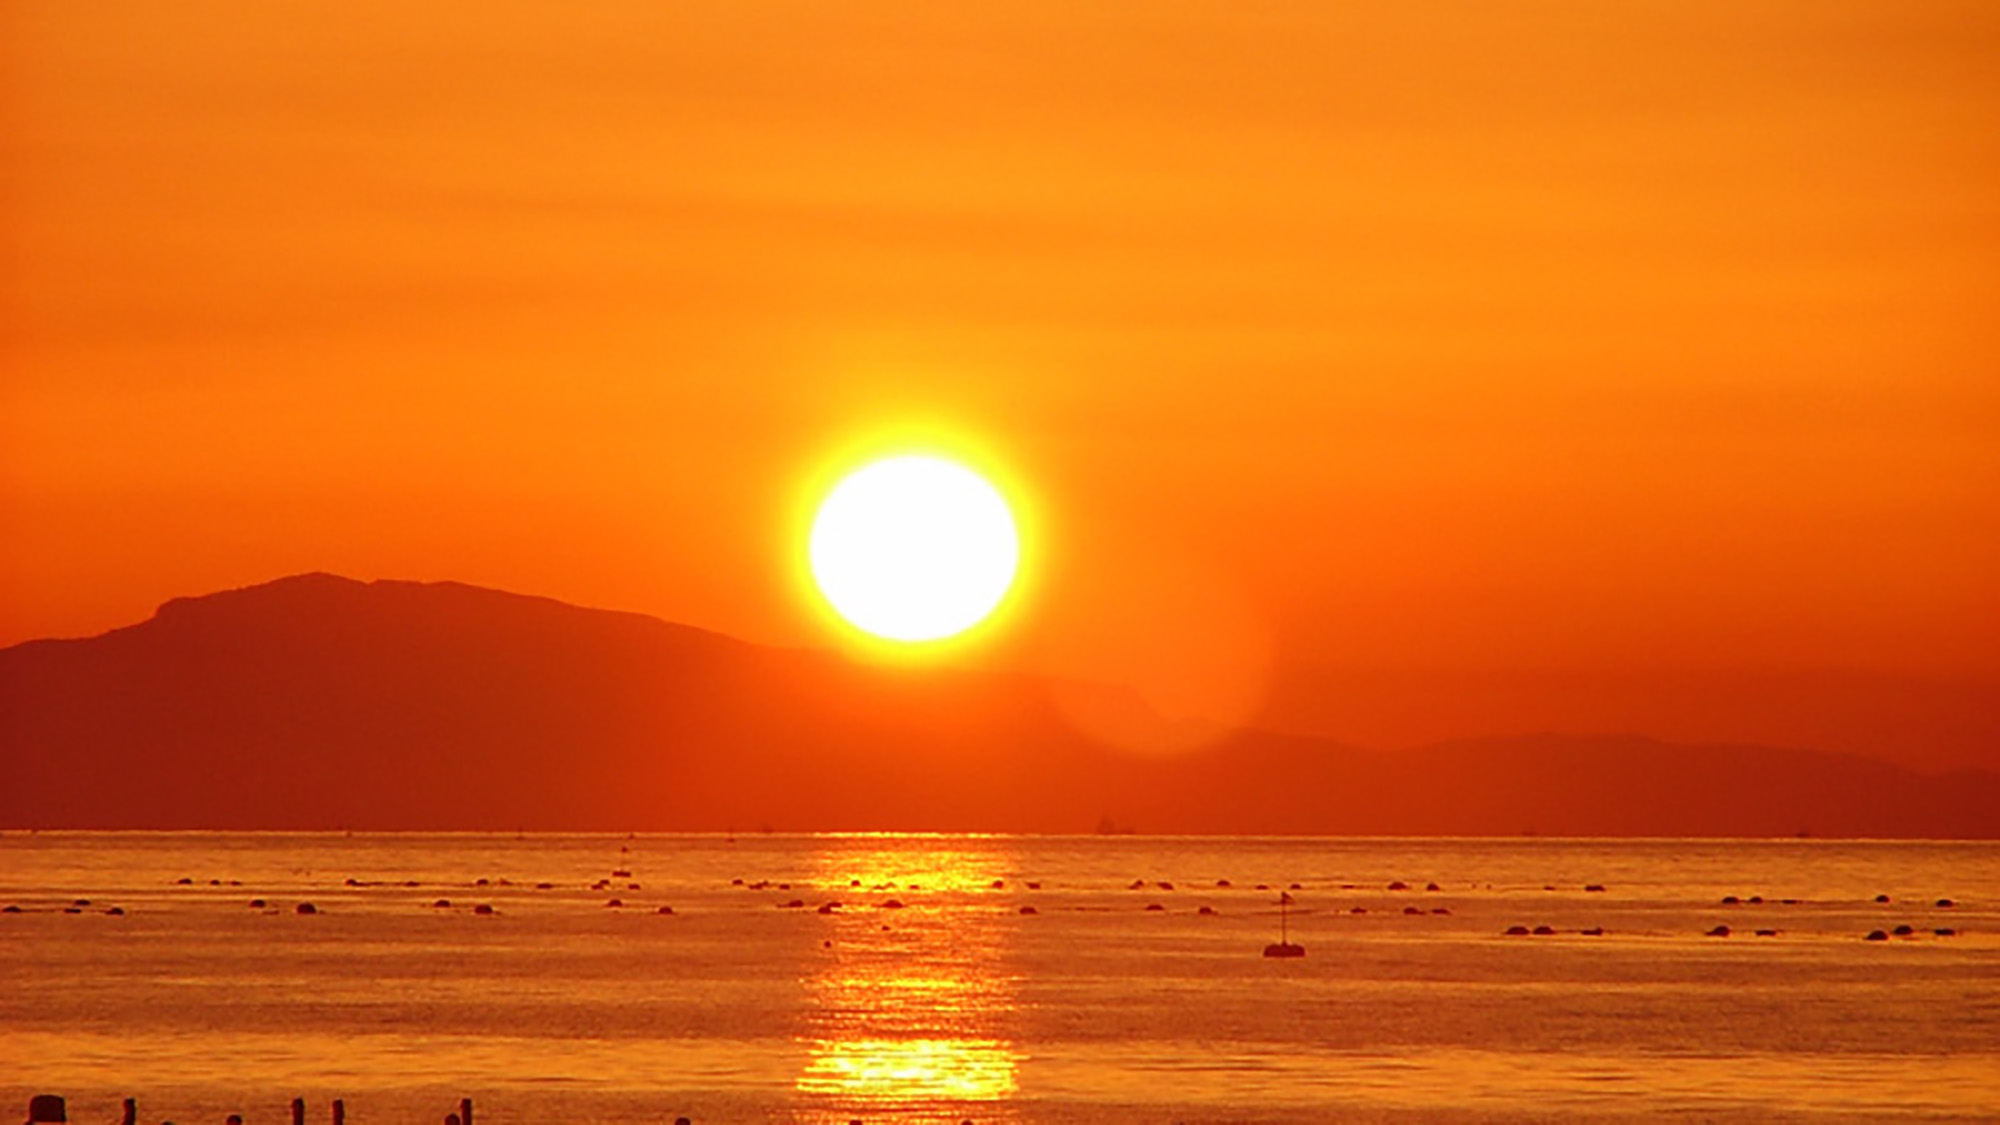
(914,548)
(895,561)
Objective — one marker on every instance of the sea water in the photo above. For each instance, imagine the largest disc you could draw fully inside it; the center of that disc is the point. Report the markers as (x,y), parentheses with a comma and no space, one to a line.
(996,979)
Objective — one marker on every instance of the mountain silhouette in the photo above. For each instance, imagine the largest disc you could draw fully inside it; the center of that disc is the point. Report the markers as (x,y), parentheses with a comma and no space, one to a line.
(319,702)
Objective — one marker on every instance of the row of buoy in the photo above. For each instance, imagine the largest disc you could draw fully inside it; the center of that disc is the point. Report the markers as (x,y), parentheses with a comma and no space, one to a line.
(1723,931)
(834,905)
(74,906)
(483,909)
(1905,931)
(353,883)
(1001,884)
(79,905)
(1759,900)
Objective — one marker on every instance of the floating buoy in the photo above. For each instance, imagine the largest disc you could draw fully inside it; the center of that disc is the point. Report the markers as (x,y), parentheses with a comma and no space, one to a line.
(1284,947)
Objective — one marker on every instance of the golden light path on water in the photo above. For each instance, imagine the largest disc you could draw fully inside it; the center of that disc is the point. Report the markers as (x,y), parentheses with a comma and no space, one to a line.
(914,1012)
(901,1070)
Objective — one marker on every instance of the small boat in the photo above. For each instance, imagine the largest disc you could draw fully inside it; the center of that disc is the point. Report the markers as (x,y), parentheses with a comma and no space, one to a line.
(1284,946)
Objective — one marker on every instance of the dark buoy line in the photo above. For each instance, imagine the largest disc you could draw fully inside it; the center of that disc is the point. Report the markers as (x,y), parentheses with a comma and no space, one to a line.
(1283,948)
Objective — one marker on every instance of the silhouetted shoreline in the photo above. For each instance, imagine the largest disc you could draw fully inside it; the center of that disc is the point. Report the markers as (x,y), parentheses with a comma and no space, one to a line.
(318,702)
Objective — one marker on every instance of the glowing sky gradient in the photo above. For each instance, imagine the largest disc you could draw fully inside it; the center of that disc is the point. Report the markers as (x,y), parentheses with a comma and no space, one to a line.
(1392,371)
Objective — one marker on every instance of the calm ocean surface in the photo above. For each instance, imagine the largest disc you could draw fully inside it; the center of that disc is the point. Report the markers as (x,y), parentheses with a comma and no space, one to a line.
(958,1005)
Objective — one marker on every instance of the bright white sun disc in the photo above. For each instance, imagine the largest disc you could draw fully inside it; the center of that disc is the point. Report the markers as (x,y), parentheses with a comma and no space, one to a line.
(914,548)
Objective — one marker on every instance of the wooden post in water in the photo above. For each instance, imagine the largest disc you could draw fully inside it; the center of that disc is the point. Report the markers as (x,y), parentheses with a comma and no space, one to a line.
(465,1111)
(298,1111)
(131,1111)
(339,1112)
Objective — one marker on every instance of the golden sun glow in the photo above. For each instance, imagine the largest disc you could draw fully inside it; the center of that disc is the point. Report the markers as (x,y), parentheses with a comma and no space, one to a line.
(914,548)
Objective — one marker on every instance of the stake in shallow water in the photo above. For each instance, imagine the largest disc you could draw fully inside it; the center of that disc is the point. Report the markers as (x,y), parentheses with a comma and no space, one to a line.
(52,1109)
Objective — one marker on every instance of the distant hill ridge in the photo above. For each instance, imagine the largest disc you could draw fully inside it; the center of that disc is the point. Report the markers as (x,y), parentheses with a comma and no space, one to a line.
(319,702)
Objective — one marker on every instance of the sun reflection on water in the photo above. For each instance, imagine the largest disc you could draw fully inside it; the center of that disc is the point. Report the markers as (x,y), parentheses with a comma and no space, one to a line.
(911,1069)
(912,1007)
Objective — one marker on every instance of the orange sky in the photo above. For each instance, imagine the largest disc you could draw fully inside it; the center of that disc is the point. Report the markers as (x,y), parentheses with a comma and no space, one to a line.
(1392,371)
